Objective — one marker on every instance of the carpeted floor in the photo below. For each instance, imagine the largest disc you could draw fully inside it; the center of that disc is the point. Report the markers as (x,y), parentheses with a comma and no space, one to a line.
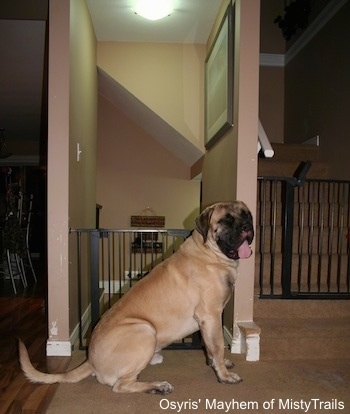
(281,387)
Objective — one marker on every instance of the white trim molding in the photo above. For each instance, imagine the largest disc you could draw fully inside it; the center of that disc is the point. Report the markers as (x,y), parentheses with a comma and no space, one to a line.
(247,340)
(85,325)
(227,336)
(58,348)
(236,343)
(272,59)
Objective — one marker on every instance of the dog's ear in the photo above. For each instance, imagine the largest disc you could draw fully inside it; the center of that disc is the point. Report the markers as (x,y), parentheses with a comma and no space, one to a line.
(203,222)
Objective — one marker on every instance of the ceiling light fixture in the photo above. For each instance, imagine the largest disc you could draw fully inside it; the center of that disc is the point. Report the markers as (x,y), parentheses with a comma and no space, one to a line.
(153,9)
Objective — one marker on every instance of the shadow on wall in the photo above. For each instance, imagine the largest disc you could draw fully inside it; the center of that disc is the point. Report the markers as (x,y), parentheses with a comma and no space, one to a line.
(188,224)
(189,221)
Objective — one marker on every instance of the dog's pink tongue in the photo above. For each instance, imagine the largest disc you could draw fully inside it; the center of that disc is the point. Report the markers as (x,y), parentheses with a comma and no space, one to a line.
(244,250)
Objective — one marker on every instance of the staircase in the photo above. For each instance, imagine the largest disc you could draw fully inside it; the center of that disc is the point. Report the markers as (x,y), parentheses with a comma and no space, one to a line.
(287,159)
(301,328)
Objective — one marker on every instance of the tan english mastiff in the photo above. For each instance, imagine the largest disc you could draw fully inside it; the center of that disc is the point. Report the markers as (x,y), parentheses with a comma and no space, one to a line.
(185,293)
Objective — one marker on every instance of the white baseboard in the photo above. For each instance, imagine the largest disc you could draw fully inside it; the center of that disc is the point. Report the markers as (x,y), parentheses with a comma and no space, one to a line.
(85,321)
(246,342)
(58,348)
(238,344)
(227,336)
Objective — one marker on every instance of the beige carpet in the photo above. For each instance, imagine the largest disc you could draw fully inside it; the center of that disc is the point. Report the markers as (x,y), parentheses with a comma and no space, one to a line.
(293,387)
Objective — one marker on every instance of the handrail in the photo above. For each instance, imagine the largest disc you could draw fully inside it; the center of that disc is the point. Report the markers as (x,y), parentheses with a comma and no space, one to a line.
(264,143)
(171,232)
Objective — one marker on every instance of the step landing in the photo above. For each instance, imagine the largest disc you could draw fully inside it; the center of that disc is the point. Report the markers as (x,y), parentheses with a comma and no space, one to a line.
(303,329)
(287,158)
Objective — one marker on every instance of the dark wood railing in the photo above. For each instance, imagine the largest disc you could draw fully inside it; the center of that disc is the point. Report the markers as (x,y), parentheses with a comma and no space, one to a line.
(303,237)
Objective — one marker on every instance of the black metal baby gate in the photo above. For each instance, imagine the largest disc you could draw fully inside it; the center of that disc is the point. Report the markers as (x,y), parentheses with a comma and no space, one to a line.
(303,238)
(110,261)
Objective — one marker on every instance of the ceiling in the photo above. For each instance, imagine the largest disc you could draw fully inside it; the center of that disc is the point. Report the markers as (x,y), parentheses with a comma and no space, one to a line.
(190,22)
(22,69)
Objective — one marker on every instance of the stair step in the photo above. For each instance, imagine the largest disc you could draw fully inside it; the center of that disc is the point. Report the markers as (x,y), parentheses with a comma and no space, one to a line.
(287,158)
(282,309)
(303,329)
(296,152)
(270,167)
(295,339)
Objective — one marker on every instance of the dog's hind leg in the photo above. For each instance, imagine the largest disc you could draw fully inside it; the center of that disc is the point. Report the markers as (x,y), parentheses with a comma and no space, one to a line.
(136,349)
(130,384)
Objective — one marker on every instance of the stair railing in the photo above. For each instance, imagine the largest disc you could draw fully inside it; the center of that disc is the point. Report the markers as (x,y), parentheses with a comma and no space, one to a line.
(303,230)
(287,239)
(264,143)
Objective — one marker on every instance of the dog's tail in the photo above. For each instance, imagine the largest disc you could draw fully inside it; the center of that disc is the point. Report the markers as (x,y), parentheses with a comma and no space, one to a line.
(76,375)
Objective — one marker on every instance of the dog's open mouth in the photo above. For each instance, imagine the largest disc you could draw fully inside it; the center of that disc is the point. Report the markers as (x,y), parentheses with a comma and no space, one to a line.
(243,252)
(236,246)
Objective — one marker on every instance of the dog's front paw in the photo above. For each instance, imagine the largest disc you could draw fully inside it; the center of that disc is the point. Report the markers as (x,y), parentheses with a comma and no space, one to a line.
(162,388)
(230,378)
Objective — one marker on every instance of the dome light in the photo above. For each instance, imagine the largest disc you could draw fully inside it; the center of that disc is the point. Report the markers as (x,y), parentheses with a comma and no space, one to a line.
(153,9)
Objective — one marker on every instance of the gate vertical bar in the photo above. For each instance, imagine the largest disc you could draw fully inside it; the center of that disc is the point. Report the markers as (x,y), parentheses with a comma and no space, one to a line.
(80,316)
(262,191)
(348,240)
(287,243)
(94,276)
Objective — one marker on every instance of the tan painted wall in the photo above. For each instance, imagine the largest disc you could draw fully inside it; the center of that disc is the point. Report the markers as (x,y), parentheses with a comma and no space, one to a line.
(230,167)
(169,81)
(234,155)
(71,186)
(83,130)
(317,93)
(271,102)
(134,172)
(271,39)
(271,89)
(307,97)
